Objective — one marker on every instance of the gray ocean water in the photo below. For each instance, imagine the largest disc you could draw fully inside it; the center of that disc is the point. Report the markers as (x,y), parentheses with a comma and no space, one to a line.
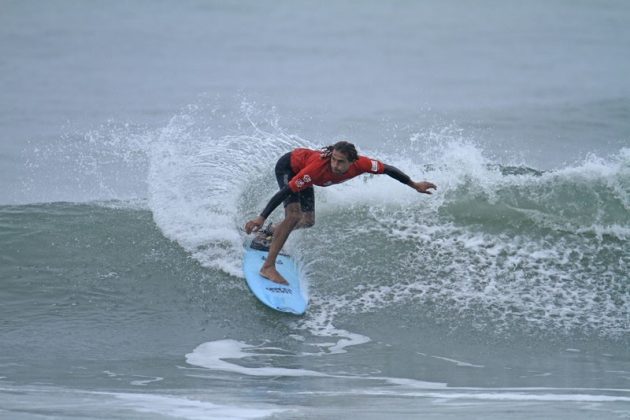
(136,138)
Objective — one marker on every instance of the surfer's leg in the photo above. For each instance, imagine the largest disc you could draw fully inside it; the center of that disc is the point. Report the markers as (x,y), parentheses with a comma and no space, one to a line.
(307,206)
(295,205)
(280,234)
(284,174)
(307,221)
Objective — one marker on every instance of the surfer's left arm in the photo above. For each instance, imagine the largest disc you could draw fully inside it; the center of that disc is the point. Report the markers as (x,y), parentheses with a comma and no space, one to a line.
(397,174)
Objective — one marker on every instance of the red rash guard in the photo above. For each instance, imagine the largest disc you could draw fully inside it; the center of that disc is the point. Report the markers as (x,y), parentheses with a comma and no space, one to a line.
(311,169)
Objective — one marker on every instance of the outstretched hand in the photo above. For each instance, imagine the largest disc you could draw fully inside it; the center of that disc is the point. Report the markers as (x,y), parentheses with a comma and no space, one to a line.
(254,225)
(423,187)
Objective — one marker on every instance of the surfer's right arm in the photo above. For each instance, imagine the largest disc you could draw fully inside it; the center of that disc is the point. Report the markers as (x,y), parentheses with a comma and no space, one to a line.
(255,224)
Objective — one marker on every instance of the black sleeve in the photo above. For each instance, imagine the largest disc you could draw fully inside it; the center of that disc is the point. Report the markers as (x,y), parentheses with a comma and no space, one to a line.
(397,174)
(275,201)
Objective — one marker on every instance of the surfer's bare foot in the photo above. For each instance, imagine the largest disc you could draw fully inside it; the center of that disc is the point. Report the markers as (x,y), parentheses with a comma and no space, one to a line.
(270,273)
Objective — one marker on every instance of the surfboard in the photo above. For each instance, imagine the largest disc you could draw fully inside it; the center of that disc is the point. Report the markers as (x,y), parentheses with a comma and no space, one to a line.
(291,298)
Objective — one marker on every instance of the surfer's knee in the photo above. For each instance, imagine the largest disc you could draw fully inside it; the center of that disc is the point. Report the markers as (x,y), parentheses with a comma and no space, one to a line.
(293,216)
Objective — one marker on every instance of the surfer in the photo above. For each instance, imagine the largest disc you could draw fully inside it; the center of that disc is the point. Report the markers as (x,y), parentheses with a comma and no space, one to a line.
(297,172)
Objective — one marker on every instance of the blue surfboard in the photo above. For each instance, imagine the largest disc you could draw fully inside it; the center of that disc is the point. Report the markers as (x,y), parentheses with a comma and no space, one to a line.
(291,298)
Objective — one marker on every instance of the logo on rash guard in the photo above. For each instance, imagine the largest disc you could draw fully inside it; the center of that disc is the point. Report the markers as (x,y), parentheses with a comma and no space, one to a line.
(304,180)
(374,166)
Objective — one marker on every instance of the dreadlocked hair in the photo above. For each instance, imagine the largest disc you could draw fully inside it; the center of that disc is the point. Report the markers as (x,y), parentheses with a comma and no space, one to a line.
(344,147)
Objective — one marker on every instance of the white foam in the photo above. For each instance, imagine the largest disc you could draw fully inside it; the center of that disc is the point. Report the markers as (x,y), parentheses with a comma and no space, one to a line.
(319,323)
(146,381)
(343,337)
(212,355)
(52,401)
(297,337)
(537,279)
(481,394)
(183,407)
(198,176)
(458,362)
(522,396)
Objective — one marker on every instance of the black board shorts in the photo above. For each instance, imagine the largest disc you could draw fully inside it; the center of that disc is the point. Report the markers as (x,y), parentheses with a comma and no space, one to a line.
(284,174)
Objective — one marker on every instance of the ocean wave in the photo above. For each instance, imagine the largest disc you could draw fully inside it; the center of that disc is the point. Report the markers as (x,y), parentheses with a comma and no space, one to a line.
(498,244)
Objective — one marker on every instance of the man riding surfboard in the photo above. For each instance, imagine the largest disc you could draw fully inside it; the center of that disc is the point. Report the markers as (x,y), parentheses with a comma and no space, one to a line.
(297,172)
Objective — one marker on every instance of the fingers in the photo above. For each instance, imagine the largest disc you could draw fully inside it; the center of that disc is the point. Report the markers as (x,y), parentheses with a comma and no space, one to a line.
(424,187)
(251,226)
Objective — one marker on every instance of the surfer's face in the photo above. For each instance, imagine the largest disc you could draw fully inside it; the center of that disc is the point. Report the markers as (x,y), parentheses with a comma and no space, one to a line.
(339,162)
